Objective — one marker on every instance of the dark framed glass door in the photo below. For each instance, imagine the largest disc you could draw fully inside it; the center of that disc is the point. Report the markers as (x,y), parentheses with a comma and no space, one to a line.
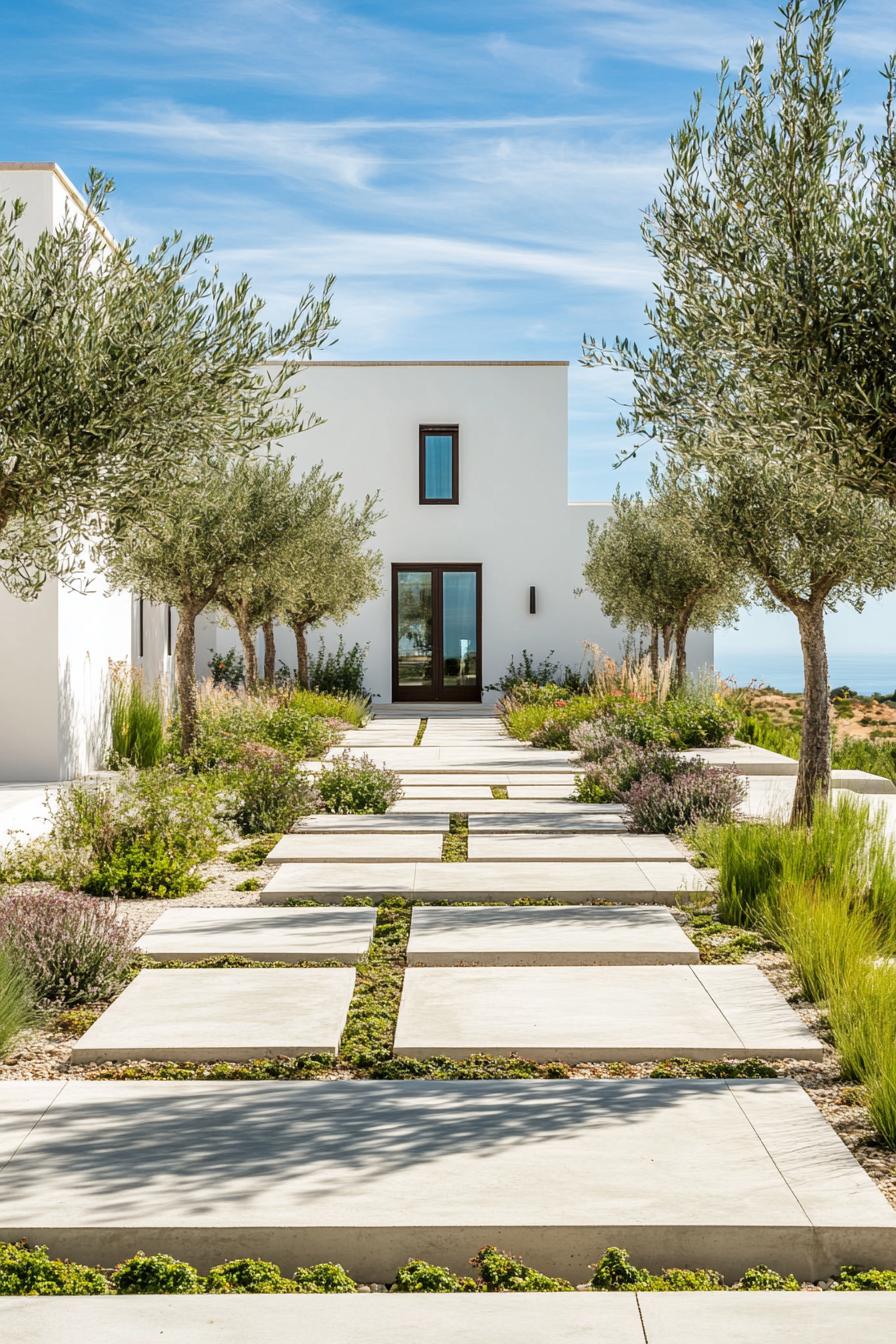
(436,632)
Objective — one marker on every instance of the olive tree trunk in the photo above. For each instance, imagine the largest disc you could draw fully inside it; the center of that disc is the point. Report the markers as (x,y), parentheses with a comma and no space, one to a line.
(270,653)
(185,676)
(298,628)
(681,651)
(655,650)
(813,780)
(250,658)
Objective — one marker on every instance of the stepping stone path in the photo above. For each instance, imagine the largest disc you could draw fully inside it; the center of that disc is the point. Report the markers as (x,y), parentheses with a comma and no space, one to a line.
(229,1014)
(668,883)
(577,1013)
(546,935)
(474,1318)
(314,934)
(722,1173)
(368,1174)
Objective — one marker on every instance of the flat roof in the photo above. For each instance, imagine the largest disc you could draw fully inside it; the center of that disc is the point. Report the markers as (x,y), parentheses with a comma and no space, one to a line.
(68,186)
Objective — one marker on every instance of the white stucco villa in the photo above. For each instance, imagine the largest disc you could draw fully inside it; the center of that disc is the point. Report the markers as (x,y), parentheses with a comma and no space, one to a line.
(482,550)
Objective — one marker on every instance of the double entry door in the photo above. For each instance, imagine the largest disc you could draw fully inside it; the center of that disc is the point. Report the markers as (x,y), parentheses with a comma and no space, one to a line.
(436,632)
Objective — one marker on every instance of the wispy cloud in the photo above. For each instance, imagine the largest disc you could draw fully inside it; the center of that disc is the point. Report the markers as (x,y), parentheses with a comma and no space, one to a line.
(666,32)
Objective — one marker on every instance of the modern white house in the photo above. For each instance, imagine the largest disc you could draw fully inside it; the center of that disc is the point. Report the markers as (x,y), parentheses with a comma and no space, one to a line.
(482,550)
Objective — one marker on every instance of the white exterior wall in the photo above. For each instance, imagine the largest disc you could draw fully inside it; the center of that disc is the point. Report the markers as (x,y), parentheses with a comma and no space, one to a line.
(57,648)
(513,517)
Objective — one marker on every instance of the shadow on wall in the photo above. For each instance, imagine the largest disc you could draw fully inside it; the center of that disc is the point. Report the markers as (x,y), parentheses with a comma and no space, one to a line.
(84,726)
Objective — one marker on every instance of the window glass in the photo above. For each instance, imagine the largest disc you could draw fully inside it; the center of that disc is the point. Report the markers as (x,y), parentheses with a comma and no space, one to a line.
(438,470)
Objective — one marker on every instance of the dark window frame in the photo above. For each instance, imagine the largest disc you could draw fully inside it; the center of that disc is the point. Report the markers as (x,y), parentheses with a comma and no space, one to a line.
(454,432)
(435,692)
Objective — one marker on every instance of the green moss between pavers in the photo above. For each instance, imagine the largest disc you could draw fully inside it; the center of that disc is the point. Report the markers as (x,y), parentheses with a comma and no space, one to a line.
(499,791)
(720,944)
(253,854)
(421,729)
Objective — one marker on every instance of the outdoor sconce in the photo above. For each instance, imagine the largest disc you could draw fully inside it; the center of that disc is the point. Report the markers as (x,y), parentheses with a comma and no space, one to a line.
(532,600)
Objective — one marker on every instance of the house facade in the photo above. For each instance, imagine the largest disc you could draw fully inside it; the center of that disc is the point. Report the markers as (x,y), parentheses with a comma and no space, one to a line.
(482,551)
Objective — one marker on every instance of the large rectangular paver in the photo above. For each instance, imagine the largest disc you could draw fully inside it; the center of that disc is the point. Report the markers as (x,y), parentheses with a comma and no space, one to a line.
(457,793)
(474,1318)
(545,818)
(768,1318)
(531,847)
(377,823)
(678,1171)
(546,935)
(189,933)
(357,847)
(506,806)
(579,1013)
(665,883)
(222,1014)
(369,1318)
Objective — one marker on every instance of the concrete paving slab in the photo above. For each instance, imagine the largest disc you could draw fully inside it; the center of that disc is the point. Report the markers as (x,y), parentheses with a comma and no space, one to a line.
(186,933)
(331,882)
(746,760)
(456,792)
(548,935)
(366,847)
(664,883)
(377,1318)
(228,1014)
(26,1106)
(369,1173)
(560,792)
(549,819)
(565,848)
(377,823)
(473,759)
(538,807)
(577,1013)
(768,1318)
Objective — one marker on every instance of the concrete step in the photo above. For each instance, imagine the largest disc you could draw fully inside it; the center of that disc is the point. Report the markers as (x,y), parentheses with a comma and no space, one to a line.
(582,1013)
(377,823)
(189,933)
(531,847)
(474,1318)
(725,1174)
(546,935)
(663,883)
(222,1014)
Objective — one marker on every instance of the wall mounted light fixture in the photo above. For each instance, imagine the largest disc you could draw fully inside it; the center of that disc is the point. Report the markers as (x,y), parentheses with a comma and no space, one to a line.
(532,600)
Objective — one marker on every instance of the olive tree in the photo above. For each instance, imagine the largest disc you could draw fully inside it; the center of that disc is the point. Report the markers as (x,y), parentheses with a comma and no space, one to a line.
(336,569)
(654,565)
(773,323)
(120,374)
(204,544)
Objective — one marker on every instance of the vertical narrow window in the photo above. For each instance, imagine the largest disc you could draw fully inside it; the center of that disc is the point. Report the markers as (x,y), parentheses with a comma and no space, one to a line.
(168,631)
(439,464)
(140,626)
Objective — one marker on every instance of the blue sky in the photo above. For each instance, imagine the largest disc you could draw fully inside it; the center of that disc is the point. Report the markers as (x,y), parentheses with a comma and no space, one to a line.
(473,173)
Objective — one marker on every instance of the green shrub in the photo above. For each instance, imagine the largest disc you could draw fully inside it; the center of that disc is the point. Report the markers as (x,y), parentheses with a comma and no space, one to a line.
(527,673)
(659,805)
(144,837)
(294,730)
(355,784)
(136,720)
(851,1279)
(687,1281)
(227,720)
(247,1276)
(761,1279)
(272,790)
(614,1272)
(609,778)
(418,1276)
(698,721)
(16,999)
(227,669)
(347,707)
(155,1274)
(28,1271)
(340,671)
(507,1274)
(758,729)
(324,1278)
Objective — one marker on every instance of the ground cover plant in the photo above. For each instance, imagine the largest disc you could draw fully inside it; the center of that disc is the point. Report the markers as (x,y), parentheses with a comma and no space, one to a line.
(30,1271)
(827,896)
(271,790)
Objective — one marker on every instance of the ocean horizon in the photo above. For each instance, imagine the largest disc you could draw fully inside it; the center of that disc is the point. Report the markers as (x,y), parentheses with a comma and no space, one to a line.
(863,673)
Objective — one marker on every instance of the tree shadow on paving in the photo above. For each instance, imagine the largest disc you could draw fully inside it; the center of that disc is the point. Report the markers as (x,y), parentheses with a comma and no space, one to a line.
(127,1150)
